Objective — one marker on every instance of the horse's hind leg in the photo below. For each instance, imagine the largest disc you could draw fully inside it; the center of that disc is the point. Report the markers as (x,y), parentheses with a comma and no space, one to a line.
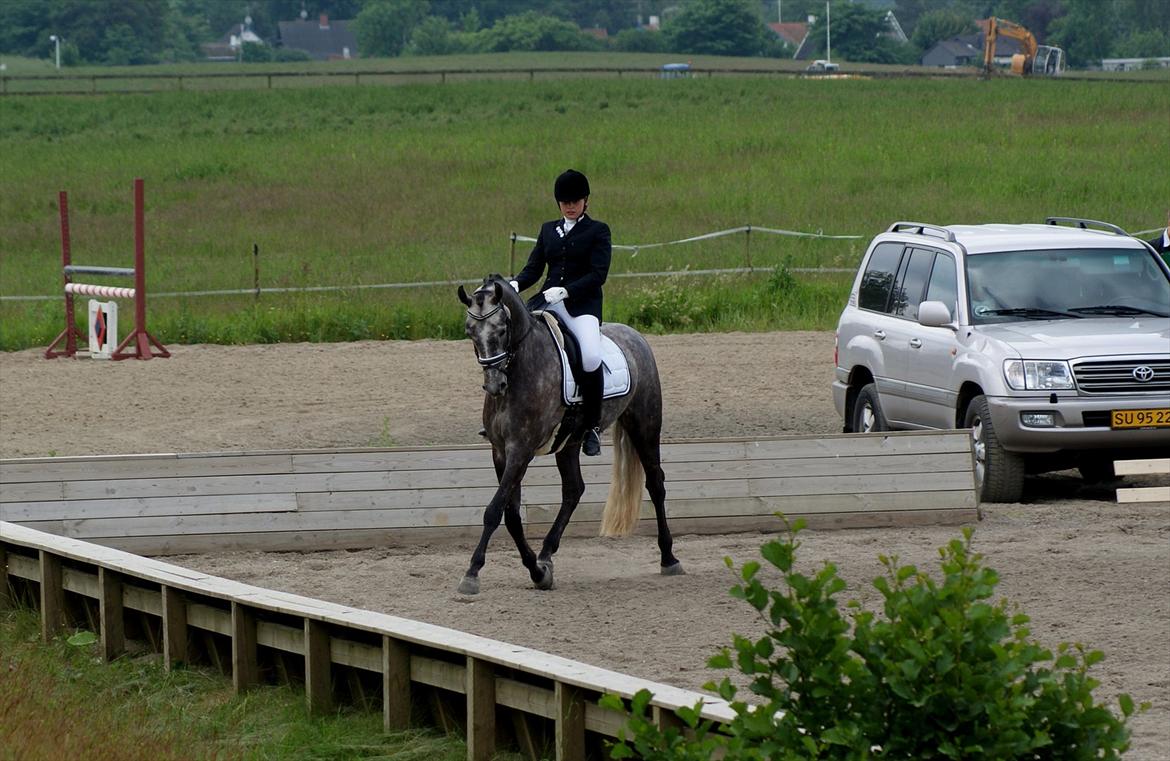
(644,434)
(510,472)
(572,487)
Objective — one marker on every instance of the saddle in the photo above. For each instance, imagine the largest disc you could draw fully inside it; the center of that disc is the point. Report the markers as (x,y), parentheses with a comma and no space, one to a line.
(616,370)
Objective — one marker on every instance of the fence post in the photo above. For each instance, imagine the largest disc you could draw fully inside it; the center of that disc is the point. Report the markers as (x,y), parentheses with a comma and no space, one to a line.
(256,271)
(512,257)
(71,333)
(747,247)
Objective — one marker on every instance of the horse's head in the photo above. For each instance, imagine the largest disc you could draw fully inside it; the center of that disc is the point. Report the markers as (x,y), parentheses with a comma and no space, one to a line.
(495,324)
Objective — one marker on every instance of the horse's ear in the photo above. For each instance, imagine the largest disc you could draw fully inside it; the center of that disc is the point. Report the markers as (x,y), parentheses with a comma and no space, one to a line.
(464,297)
(499,291)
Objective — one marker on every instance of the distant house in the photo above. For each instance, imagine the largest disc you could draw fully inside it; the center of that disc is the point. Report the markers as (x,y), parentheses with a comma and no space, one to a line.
(1134,64)
(793,34)
(1005,47)
(322,39)
(227,47)
(953,52)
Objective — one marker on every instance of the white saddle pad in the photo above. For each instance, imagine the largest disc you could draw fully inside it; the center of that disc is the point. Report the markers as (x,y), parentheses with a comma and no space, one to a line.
(616,373)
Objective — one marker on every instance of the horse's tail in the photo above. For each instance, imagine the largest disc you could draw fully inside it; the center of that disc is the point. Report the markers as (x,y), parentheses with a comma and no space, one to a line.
(624,501)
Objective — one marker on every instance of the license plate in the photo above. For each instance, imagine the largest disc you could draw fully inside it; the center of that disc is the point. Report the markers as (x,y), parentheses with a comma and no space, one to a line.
(1155,418)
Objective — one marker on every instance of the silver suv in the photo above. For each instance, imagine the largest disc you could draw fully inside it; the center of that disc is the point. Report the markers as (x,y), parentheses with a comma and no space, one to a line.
(1050,342)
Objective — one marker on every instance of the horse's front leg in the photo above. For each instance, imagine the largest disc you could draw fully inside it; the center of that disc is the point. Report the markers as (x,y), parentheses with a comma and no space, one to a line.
(572,487)
(509,472)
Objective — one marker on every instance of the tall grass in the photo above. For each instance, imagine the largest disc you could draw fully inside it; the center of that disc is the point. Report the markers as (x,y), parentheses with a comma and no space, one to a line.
(348,186)
(61,701)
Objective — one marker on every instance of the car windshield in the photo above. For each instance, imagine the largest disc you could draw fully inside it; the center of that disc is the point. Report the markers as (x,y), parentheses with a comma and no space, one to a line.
(1009,286)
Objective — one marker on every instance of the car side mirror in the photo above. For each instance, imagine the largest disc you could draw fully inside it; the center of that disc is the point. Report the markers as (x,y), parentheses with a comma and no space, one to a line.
(934,314)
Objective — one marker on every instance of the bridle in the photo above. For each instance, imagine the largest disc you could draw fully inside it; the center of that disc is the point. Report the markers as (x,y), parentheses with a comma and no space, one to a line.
(498,362)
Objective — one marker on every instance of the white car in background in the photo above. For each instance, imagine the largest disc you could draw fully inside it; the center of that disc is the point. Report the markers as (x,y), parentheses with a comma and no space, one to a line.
(1051,342)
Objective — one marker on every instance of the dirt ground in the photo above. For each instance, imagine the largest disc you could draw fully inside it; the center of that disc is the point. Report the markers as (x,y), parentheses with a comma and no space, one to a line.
(1085,568)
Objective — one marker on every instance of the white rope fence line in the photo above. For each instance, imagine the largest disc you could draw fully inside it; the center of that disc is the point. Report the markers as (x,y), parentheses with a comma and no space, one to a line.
(717,234)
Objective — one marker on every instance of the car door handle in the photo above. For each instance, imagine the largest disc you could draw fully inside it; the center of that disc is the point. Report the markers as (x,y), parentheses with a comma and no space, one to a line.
(880,335)
(915,343)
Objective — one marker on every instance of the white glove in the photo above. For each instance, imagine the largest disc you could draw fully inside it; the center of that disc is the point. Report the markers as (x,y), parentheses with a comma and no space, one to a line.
(515,285)
(555,295)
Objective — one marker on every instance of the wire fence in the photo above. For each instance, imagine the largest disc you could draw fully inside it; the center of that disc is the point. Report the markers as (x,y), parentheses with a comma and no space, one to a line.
(515,238)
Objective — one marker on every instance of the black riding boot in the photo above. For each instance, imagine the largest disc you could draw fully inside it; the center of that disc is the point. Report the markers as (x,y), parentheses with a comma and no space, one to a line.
(592,388)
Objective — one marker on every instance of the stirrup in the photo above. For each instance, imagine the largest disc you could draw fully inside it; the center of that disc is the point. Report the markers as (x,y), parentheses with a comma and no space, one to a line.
(591,444)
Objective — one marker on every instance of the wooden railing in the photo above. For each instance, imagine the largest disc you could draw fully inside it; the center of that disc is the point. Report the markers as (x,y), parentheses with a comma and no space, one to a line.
(457,681)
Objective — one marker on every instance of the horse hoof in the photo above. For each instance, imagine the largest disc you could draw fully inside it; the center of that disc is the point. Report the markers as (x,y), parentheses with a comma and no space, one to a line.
(674,569)
(469,586)
(545,582)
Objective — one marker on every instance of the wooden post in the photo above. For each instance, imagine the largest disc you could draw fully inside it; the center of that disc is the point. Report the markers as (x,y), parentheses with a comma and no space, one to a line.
(71,334)
(245,667)
(481,710)
(113,627)
(395,684)
(570,733)
(52,596)
(174,627)
(6,596)
(747,247)
(318,676)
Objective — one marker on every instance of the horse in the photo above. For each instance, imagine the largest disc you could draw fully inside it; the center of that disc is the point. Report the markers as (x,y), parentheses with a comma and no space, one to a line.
(523,412)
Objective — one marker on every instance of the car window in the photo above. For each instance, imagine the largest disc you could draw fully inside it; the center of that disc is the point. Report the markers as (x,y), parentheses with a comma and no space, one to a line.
(912,283)
(1097,282)
(943,285)
(878,280)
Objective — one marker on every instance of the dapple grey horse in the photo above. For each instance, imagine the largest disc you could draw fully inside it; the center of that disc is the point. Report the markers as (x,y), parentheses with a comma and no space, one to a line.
(523,410)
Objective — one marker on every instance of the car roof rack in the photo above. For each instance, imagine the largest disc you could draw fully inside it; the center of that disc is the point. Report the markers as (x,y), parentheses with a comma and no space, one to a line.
(1086,224)
(921,228)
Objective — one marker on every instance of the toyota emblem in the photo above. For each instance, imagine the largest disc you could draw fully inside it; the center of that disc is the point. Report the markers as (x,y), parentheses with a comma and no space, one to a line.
(1143,374)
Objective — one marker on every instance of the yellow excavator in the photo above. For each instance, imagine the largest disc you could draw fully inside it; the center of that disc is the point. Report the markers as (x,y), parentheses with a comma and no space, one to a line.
(1042,60)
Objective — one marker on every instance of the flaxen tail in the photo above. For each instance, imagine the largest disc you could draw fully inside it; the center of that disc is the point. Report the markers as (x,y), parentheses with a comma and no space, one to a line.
(624,501)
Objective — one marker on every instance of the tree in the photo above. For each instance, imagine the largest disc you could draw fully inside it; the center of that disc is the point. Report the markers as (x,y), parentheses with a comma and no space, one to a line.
(384,27)
(434,36)
(859,34)
(716,27)
(534,31)
(1086,32)
(935,26)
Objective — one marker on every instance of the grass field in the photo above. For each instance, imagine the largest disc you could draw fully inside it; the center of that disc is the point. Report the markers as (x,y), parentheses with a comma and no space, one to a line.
(372,184)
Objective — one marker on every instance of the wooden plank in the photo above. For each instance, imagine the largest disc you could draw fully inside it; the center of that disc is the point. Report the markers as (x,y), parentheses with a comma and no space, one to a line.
(570,723)
(287,639)
(1144,494)
(111,614)
(24,567)
(37,491)
(604,721)
(358,655)
(481,709)
(1142,467)
(209,618)
(174,627)
(167,507)
(318,671)
(436,673)
(245,667)
(7,598)
(395,684)
(143,600)
(539,701)
(52,595)
(104,468)
(80,582)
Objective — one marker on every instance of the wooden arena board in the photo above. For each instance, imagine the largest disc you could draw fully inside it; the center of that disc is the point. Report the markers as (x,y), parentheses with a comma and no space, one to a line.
(162,504)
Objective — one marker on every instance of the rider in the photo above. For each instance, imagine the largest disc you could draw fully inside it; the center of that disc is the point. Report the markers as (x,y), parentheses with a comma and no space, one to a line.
(576,250)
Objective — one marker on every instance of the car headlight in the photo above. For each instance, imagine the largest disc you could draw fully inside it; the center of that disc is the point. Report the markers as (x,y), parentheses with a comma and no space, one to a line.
(1038,374)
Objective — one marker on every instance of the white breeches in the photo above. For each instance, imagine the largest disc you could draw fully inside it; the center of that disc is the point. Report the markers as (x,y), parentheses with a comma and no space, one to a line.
(587,330)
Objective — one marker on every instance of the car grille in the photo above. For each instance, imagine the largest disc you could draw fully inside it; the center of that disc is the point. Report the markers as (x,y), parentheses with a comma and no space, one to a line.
(1118,376)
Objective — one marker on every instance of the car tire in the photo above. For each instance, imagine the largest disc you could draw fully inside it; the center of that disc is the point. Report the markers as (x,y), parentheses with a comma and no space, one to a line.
(999,474)
(867,411)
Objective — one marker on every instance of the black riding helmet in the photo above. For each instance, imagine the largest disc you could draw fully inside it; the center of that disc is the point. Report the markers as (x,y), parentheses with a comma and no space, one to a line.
(571,186)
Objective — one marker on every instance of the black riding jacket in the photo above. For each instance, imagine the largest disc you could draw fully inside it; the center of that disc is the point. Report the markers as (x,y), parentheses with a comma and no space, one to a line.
(577,261)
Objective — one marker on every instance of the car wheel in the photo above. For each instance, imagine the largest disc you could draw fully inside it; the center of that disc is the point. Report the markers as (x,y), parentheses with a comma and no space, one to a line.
(867,411)
(999,474)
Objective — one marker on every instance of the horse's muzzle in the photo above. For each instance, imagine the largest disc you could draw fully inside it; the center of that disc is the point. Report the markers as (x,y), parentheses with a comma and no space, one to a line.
(494,382)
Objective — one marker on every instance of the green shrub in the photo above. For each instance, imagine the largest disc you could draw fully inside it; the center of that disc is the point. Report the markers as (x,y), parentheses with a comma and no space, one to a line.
(943,674)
